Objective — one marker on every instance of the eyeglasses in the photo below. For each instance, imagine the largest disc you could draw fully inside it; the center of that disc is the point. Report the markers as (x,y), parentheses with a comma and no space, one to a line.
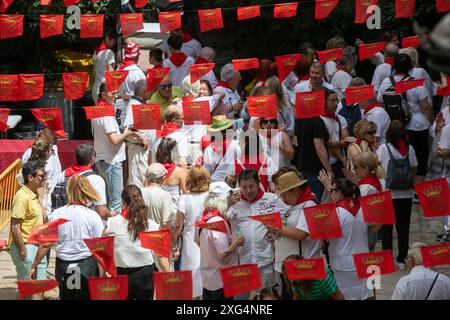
(165,86)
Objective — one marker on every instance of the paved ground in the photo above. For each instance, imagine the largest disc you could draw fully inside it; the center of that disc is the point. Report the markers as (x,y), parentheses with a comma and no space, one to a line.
(422,229)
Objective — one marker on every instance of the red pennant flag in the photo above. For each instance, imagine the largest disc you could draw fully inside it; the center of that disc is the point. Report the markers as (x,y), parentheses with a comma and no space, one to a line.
(214,226)
(114,79)
(91,25)
(285,64)
(245,64)
(323,222)
(196,112)
(442,6)
(271,219)
(103,250)
(47,232)
(285,10)
(306,269)
(4,114)
(197,71)
(11,25)
(4,4)
(147,116)
(369,49)
(330,55)
(436,255)
(240,279)
(310,104)
(444,91)
(404,8)
(210,19)
(361,10)
(75,85)
(413,41)
(31,86)
(68,3)
(169,21)
(262,106)
(155,76)
(324,8)
(115,288)
(173,285)
(382,259)
(244,13)
(358,94)
(9,87)
(406,85)
(140,3)
(378,208)
(434,197)
(51,118)
(27,288)
(158,241)
(51,25)
(99,112)
(131,22)
(46,2)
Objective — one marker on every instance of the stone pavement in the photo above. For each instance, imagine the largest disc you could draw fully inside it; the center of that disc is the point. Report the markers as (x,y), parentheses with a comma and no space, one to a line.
(422,229)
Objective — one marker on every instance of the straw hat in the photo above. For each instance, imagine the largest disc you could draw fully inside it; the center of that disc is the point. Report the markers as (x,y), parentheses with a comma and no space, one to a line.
(220,123)
(288,181)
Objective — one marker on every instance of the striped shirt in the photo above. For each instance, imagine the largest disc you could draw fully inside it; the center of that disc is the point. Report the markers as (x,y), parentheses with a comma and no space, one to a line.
(321,289)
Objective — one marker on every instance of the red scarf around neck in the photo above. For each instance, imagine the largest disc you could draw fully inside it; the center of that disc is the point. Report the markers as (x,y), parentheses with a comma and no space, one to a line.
(358,142)
(201,60)
(389,60)
(178,58)
(402,148)
(224,84)
(170,167)
(124,213)
(100,48)
(349,204)
(306,195)
(258,196)
(76,169)
(331,116)
(187,37)
(126,63)
(372,180)
(371,107)
(167,129)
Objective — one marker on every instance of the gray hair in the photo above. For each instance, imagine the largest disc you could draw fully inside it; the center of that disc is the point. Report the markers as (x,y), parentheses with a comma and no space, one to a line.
(220,203)
(208,53)
(414,251)
(140,85)
(227,72)
(188,88)
(357,81)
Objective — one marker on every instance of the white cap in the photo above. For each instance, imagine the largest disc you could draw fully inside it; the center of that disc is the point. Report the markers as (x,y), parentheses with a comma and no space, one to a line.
(219,188)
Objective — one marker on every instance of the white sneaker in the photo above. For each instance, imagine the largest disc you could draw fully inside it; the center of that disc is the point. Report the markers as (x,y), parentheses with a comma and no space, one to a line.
(401,266)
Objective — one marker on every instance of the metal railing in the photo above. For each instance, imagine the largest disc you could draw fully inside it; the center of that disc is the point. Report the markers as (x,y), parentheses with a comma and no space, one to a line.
(8,188)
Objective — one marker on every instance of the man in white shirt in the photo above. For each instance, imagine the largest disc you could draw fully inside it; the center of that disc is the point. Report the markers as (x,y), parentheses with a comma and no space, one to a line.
(229,81)
(316,80)
(342,77)
(191,47)
(384,70)
(374,112)
(135,73)
(178,62)
(104,60)
(207,55)
(421,283)
(257,248)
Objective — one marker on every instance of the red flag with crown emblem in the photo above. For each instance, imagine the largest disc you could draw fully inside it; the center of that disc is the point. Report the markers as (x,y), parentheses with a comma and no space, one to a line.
(75,85)
(114,288)
(367,50)
(249,12)
(4,4)
(361,10)
(196,112)
(175,285)
(114,79)
(378,208)
(31,86)
(47,232)
(169,21)
(367,263)
(306,269)
(324,8)
(309,104)
(147,116)
(323,222)
(434,197)
(285,10)
(404,8)
(330,55)
(210,19)
(271,219)
(406,85)
(245,64)
(11,25)
(442,6)
(358,94)
(103,250)
(240,279)
(92,25)
(286,63)
(9,87)
(51,25)
(197,71)
(158,241)
(131,22)
(213,226)
(27,288)
(155,76)
(436,255)
(413,41)
(262,106)
(50,118)
(95,112)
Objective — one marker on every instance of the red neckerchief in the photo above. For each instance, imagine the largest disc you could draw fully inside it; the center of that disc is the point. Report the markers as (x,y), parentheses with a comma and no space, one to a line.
(167,129)
(224,84)
(158,65)
(170,167)
(258,196)
(187,37)
(402,148)
(100,48)
(126,63)
(255,164)
(201,60)
(358,142)
(178,58)
(372,180)
(331,116)
(342,68)
(349,204)
(75,169)
(124,213)
(100,102)
(210,213)
(307,195)
(389,60)
(371,106)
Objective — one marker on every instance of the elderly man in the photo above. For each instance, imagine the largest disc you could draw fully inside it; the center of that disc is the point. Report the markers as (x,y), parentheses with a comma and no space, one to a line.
(384,70)
(229,81)
(165,94)
(207,55)
(129,63)
(342,77)
(178,62)
(421,283)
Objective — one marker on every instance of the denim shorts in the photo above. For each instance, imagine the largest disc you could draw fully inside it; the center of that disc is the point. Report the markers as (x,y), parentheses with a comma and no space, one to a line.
(23,267)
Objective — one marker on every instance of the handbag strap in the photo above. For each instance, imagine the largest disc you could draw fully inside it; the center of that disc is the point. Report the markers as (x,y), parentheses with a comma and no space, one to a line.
(432,286)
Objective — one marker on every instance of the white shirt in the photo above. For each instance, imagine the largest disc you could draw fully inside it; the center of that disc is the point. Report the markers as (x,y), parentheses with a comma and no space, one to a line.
(445,138)
(256,248)
(381,72)
(218,165)
(231,97)
(418,121)
(178,73)
(181,149)
(430,86)
(305,86)
(134,75)
(84,224)
(191,48)
(129,253)
(341,80)
(159,203)
(333,130)
(417,283)
(102,61)
(104,149)
(380,117)
(211,78)
(330,69)
(383,156)
(290,81)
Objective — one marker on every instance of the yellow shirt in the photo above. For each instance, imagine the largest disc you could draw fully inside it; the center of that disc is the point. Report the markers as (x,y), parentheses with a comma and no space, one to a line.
(164,103)
(27,208)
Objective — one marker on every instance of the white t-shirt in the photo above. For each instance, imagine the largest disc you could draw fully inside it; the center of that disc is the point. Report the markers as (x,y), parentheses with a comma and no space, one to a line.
(104,149)
(419,121)
(84,224)
(305,86)
(341,80)
(181,149)
(231,97)
(445,138)
(102,60)
(177,74)
(430,86)
(191,48)
(330,69)
(383,156)
(129,253)
(333,130)
(159,203)
(218,165)
(381,72)
(256,248)
(134,75)
(310,248)
(380,117)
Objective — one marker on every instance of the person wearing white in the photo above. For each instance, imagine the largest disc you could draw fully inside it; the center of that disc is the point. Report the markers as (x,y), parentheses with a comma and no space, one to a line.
(178,62)
(104,60)
(342,77)
(229,81)
(135,73)
(285,111)
(421,283)
(207,55)
(375,113)
(191,47)
(384,70)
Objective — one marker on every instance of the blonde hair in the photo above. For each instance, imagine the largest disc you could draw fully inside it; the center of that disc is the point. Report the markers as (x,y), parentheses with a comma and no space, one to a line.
(81,192)
(362,127)
(366,159)
(274,84)
(198,179)
(414,55)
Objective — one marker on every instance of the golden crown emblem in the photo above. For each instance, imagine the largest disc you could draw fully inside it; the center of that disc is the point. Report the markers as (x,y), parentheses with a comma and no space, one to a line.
(325,4)
(321,214)
(370,260)
(131,17)
(239,272)
(309,98)
(289,62)
(100,246)
(117,76)
(30,81)
(209,13)
(375,200)
(195,106)
(51,20)
(304,265)
(439,251)
(75,80)
(212,225)
(47,117)
(145,109)
(155,235)
(262,100)
(6,81)
(91,20)
(432,191)
(109,287)
(172,278)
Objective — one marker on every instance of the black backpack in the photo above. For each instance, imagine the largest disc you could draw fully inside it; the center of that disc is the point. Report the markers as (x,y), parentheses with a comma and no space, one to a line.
(396,105)
(59,195)
(399,174)
(351,113)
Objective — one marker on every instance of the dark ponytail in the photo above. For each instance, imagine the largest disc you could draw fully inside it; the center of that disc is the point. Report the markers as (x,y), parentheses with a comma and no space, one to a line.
(347,188)
(137,211)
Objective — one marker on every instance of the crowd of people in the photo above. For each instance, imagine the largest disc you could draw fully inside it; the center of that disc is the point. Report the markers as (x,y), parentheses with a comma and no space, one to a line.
(236,167)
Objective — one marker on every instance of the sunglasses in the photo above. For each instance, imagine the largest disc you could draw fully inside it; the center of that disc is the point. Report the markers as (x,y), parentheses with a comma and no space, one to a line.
(165,86)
